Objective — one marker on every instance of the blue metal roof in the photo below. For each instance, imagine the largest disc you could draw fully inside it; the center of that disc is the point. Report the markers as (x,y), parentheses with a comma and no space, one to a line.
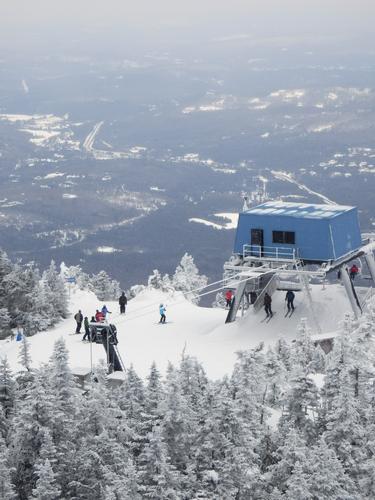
(299,210)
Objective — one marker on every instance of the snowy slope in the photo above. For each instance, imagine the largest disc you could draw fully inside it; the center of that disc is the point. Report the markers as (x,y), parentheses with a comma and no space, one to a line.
(200,331)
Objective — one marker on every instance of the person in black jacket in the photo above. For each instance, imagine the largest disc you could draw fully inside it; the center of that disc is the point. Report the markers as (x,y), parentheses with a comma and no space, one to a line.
(289,297)
(79,318)
(267,304)
(122,301)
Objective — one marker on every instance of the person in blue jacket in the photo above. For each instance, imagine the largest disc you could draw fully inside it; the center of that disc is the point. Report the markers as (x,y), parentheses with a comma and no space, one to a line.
(105,312)
(162,310)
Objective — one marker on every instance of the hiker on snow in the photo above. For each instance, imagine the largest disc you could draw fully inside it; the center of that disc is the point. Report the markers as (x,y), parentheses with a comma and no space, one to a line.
(228,298)
(162,310)
(289,298)
(122,302)
(267,304)
(87,328)
(79,318)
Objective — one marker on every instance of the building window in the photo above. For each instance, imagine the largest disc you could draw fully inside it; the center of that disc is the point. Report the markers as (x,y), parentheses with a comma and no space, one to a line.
(284,237)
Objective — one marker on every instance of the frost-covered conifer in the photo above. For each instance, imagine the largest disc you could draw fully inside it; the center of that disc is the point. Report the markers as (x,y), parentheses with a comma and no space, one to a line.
(7,491)
(5,322)
(301,402)
(187,278)
(178,422)
(345,433)
(7,387)
(24,353)
(157,477)
(56,291)
(46,486)
(104,287)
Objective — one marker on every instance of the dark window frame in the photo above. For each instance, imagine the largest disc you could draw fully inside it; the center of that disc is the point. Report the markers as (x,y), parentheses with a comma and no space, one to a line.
(284,237)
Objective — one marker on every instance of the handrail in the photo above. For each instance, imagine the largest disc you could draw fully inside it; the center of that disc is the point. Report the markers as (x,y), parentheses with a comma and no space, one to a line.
(259,251)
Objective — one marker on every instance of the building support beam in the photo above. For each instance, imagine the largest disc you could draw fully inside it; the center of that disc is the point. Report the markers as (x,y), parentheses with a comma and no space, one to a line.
(349,291)
(370,261)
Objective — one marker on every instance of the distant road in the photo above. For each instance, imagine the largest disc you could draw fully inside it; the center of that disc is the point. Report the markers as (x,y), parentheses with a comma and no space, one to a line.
(89,141)
(285,176)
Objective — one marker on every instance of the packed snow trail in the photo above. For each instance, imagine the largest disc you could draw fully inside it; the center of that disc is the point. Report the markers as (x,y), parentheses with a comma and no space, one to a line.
(199,331)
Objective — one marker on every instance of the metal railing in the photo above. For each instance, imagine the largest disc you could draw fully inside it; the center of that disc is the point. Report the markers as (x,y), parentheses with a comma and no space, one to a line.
(268,252)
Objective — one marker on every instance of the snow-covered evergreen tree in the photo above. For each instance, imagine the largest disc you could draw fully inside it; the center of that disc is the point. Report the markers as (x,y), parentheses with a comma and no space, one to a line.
(7,491)
(188,280)
(104,287)
(24,354)
(46,486)
(5,322)
(56,291)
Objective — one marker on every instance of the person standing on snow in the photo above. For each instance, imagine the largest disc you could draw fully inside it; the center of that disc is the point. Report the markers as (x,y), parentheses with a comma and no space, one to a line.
(228,297)
(162,310)
(87,328)
(289,298)
(122,302)
(105,311)
(79,318)
(267,304)
(99,316)
(353,272)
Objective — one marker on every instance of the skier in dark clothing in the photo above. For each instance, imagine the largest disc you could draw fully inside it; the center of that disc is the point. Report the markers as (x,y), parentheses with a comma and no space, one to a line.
(86,324)
(122,302)
(267,304)
(289,298)
(79,318)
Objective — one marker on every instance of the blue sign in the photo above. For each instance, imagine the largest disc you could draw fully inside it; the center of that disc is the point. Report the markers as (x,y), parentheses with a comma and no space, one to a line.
(71,280)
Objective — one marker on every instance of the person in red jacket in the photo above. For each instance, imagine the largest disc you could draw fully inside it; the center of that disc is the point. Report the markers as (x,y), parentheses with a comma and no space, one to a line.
(99,316)
(228,297)
(353,272)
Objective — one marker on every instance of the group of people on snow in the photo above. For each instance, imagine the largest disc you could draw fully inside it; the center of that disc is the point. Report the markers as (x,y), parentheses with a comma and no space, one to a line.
(267,301)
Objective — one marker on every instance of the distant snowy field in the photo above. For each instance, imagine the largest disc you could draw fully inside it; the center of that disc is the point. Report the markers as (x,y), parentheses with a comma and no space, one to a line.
(199,331)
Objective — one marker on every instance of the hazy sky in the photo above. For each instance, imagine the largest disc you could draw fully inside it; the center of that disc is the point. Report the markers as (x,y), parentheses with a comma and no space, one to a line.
(21,19)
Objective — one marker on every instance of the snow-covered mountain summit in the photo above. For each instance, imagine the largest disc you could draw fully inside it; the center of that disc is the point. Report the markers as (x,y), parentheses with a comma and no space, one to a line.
(198,331)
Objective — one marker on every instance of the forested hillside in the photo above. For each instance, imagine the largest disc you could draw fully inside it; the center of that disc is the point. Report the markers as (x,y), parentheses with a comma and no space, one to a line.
(271,430)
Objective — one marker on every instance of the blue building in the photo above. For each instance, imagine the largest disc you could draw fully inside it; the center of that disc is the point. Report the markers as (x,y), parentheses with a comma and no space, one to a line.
(313,233)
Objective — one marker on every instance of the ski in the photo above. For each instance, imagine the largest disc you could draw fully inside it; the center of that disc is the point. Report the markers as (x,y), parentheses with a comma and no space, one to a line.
(264,319)
(270,317)
(291,313)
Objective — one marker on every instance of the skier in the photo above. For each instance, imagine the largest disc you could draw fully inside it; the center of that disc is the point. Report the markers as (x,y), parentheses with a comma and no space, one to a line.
(87,328)
(99,316)
(105,311)
(79,318)
(267,304)
(289,298)
(228,298)
(162,310)
(353,272)
(122,302)
(253,297)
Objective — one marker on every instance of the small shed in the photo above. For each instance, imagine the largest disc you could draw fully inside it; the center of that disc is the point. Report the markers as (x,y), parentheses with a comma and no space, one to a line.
(284,230)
